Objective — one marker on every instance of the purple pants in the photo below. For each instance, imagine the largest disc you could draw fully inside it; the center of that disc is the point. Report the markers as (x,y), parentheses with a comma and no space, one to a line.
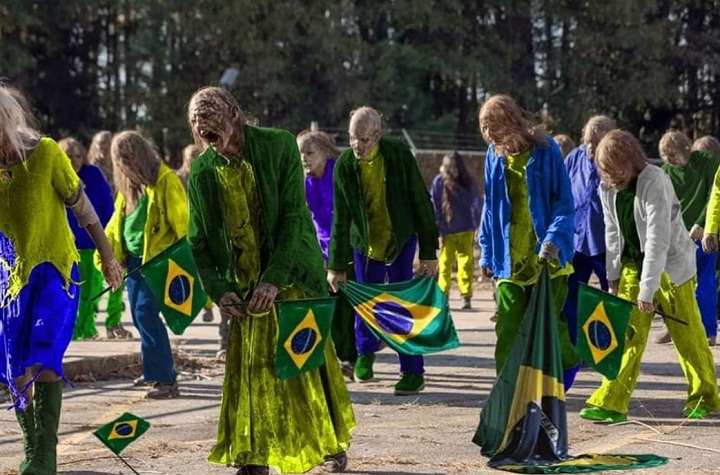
(369,271)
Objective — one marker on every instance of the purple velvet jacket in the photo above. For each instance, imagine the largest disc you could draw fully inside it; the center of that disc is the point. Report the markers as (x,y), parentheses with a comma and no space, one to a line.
(319,197)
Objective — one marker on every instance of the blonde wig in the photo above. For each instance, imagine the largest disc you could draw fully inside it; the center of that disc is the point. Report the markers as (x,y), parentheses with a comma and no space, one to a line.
(512,129)
(75,150)
(566,144)
(135,165)
(674,145)
(18,136)
(619,158)
(322,141)
(596,128)
(707,143)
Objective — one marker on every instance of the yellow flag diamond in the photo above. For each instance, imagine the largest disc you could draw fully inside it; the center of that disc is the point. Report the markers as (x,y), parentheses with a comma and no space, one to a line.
(600,335)
(179,289)
(303,340)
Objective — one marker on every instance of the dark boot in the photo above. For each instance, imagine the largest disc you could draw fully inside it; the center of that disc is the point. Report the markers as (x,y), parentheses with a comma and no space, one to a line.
(48,403)
(27,424)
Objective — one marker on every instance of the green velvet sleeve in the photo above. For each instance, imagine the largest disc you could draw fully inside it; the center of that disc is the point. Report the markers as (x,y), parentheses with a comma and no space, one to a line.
(340,252)
(423,209)
(291,201)
(205,220)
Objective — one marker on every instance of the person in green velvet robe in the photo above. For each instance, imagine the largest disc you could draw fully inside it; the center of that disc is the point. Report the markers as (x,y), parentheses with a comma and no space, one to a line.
(253,240)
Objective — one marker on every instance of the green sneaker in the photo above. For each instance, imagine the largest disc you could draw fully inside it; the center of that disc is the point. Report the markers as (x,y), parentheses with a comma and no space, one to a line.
(364,368)
(598,414)
(410,384)
(697,413)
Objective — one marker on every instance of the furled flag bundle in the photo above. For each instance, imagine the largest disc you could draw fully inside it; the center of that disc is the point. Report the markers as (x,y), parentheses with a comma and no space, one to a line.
(303,329)
(412,317)
(173,279)
(523,424)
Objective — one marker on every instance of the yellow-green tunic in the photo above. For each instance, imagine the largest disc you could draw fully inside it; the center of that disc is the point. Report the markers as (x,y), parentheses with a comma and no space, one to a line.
(289,425)
(372,177)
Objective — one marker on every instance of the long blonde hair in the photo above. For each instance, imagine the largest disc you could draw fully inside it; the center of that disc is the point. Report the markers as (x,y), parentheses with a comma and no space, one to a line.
(619,158)
(136,164)
(323,141)
(511,128)
(17,135)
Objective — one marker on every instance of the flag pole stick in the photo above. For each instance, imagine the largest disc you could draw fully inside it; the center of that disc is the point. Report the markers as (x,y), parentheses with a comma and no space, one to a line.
(128,465)
(142,266)
(634,304)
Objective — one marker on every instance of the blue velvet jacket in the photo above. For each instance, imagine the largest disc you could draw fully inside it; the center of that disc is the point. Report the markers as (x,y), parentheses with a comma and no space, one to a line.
(551,207)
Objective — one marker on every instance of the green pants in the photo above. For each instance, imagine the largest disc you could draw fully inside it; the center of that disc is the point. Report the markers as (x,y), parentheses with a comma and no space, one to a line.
(694,355)
(91,283)
(512,302)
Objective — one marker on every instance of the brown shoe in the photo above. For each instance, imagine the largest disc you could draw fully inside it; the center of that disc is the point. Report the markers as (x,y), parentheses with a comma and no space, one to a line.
(118,333)
(207,315)
(664,338)
(164,391)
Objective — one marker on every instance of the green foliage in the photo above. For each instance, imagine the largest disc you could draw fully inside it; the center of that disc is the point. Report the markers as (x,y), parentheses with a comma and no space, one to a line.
(92,64)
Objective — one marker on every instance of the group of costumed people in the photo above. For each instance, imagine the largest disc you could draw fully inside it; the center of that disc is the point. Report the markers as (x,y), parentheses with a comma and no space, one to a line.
(270,216)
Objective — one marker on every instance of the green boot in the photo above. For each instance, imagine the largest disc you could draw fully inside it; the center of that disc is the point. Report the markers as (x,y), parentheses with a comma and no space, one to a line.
(364,368)
(27,425)
(48,402)
(410,384)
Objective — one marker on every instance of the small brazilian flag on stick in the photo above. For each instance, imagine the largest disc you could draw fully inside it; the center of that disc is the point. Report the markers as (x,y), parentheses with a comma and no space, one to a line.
(122,432)
(303,329)
(173,280)
(412,317)
(603,320)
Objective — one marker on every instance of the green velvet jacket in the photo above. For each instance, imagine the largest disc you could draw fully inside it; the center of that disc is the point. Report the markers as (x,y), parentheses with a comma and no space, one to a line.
(408,203)
(289,249)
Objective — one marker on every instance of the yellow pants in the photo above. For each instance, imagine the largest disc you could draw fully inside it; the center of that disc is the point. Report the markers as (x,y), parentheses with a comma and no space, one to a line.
(693,352)
(457,246)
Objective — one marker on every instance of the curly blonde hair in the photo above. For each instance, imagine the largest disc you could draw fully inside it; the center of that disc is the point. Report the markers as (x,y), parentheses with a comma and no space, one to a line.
(136,164)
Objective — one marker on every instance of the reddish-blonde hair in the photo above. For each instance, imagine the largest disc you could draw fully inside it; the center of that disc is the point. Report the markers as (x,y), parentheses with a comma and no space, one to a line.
(74,149)
(136,164)
(511,128)
(619,158)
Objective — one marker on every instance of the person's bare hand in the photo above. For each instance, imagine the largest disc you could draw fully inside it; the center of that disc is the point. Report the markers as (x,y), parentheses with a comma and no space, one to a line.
(263,298)
(429,268)
(548,252)
(646,307)
(696,232)
(613,286)
(113,272)
(229,305)
(710,243)
(334,278)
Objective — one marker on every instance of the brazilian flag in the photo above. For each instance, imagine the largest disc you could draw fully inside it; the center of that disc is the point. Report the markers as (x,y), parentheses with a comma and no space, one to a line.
(121,432)
(523,424)
(603,320)
(173,279)
(303,331)
(412,317)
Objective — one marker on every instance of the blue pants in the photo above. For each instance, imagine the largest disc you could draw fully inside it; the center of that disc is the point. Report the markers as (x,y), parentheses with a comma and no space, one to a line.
(369,271)
(158,365)
(584,266)
(706,290)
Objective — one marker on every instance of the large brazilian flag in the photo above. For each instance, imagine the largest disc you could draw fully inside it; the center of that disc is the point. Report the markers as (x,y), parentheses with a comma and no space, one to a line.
(174,282)
(523,424)
(412,317)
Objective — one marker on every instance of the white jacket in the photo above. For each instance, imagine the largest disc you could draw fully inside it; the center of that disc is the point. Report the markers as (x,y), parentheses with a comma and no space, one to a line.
(663,237)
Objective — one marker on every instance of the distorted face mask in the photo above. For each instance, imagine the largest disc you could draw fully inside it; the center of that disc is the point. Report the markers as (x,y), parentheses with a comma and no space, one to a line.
(364,135)
(217,123)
